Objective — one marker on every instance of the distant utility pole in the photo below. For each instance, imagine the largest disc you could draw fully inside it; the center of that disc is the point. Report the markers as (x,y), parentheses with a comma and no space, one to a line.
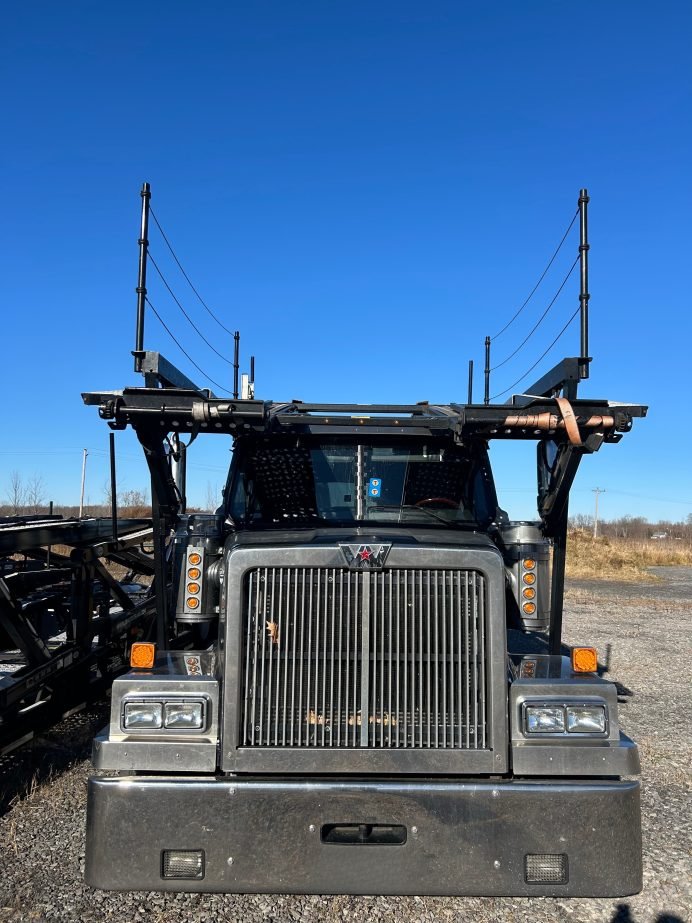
(81,495)
(597,491)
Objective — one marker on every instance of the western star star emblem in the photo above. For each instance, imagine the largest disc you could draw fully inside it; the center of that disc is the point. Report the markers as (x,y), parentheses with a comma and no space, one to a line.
(365,557)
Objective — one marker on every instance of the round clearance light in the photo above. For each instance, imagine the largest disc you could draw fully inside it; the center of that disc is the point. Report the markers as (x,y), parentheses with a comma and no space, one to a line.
(194,558)
(584,659)
(529,564)
(529,579)
(194,573)
(142,655)
(529,608)
(192,602)
(528,592)
(193,588)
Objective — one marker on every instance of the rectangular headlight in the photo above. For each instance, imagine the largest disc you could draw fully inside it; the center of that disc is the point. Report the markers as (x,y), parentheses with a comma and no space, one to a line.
(143,715)
(586,719)
(181,715)
(544,719)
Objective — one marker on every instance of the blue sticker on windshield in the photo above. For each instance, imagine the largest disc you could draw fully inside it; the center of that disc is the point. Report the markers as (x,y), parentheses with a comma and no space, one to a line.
(375,487)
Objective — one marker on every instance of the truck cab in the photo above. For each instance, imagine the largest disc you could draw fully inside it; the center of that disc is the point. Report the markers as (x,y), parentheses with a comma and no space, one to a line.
(332,699)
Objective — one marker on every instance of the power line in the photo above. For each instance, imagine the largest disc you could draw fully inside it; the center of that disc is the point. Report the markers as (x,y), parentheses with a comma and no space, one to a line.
(626,493)
(181,348)
(189,281)
(191,322)
(539,321)
(540,358)
(543,275)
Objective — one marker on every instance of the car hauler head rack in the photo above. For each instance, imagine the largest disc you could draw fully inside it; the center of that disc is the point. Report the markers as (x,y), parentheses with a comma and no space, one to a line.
(65,621)
(564,431)
(352,718)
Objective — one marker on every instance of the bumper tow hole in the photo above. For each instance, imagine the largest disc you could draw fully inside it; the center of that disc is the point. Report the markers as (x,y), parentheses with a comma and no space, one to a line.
(364,834)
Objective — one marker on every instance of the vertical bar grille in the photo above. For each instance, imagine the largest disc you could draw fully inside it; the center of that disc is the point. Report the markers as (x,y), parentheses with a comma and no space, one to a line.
(342,658)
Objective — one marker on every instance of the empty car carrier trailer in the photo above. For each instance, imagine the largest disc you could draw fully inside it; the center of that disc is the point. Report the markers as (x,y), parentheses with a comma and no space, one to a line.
(329,704)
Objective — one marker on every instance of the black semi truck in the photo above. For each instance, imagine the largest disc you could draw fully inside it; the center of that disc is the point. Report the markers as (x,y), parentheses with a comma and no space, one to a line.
(333,700)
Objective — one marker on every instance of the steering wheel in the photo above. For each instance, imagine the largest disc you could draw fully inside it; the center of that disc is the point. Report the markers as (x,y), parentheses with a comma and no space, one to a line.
(445,500)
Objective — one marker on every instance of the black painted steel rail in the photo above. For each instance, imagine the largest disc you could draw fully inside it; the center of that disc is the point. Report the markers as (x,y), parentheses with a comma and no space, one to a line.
(66,620)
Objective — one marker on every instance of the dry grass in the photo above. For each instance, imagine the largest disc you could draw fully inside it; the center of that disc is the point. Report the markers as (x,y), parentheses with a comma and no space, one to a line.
(622,559)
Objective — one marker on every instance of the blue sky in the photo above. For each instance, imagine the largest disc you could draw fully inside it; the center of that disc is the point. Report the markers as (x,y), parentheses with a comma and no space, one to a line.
(365,190)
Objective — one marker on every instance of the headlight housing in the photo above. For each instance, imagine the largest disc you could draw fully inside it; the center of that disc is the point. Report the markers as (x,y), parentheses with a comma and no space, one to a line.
(183,715)
(586,719)
(160,715)
(142,715)
(565,719)
(544,719)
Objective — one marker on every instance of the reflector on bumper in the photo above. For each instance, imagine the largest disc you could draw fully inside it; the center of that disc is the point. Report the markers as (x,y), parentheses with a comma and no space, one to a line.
(183,863)
(545,868)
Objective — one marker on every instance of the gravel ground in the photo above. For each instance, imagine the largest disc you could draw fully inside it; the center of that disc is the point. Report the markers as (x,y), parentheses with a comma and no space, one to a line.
(647,636)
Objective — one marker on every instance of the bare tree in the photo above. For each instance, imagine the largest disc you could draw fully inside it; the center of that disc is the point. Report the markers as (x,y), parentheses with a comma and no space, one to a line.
(134,503)
(581,521)
(35,491)
(213,496)
(17,493)
(107,494)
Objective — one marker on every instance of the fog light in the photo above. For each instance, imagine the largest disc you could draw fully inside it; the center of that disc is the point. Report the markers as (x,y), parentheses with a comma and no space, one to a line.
(544,719)
(142,715)
(183,715)
(545,868)
(586,719)
(183,863)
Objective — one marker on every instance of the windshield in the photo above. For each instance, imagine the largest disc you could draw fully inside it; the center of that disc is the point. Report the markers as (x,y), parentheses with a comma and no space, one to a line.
(282,483)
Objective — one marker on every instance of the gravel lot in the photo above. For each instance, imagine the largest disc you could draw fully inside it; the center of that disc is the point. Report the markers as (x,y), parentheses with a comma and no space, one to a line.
(646,630)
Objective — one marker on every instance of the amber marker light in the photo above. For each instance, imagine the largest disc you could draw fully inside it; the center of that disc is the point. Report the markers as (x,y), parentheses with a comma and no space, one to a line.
(529,608)
(194,558)
(194,573)
(528,592)
(193,588)
(529,564)
(192,602)
(584,659)
(530,579)
(142,655)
